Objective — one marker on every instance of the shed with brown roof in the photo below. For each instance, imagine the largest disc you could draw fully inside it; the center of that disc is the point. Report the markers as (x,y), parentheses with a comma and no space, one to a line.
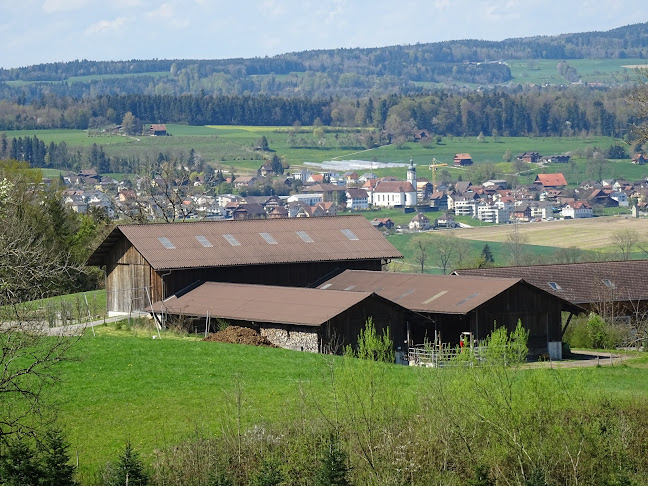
(446,306)
(290,317)
(147,263)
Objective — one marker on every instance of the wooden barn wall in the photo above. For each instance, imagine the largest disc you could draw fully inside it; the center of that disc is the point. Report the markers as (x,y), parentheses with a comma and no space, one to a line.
(345,328)
(292,274)
(540,313)
(128,276)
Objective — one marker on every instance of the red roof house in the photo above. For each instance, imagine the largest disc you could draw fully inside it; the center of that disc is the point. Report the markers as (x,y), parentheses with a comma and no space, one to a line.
(550,180)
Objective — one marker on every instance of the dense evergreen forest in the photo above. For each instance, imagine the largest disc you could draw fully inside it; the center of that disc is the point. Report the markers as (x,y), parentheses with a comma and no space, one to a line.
(523,112)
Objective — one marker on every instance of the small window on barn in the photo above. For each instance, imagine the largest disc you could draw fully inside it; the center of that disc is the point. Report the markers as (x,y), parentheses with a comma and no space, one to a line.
(166,243)
(269,238)
(231,240)
(349,234)
(608,283)
(204,241)
(555,286)
(304,236)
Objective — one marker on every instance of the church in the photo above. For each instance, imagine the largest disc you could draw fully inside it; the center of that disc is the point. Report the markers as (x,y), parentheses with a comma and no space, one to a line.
(396,193)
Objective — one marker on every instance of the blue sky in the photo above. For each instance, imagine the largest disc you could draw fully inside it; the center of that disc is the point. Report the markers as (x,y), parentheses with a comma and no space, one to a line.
(35,31)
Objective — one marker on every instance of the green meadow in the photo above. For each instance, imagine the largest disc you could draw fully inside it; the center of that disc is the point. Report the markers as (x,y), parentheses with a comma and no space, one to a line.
(233,147)
(541,71)
(157,392)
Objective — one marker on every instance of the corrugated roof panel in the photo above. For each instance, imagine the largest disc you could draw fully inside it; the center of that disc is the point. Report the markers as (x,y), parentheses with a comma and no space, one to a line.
(231,239)
(305,236)
(349,234)
(204,241)
(269,239)
(166,242)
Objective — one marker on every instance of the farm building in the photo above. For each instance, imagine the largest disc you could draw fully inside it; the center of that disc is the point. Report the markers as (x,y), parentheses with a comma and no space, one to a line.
(613,289)
(290,317)
(443,306)
(158,130)
(148,263)
(462,160)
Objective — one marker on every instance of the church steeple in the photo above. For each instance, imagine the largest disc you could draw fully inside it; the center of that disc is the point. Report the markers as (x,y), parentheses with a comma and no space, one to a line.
(411,174)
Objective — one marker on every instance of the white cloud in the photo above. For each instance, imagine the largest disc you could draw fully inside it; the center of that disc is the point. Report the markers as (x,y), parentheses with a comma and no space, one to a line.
(52,6)
(104,26)
(164,11)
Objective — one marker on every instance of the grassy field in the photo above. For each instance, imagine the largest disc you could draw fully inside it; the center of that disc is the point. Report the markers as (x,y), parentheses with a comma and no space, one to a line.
(500,252)
(586,234)
(541,71)
(159,391)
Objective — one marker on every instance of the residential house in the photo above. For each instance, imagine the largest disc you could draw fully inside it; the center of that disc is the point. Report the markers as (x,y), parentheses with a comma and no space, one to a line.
(621,198)
(306,199)
(367,176)
(243,182)
(465,207)
(602,198)
(541,210)
(639,159)
(381,223)
(445,220)
(127,196)
(550,180)
(577,209)
(522,212)
(490,213)
(530,157)
(223,199)
(350,177)
(420,222)
(357,199)
(439,201)
(77,204)
(462,160)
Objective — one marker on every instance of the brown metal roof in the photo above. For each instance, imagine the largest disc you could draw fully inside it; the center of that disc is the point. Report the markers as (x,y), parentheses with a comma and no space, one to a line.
(444,294)
(262,303)
(581,283)
(252,242)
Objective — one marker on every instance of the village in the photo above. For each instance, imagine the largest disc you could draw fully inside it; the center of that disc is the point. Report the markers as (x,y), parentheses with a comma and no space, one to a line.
(433,204)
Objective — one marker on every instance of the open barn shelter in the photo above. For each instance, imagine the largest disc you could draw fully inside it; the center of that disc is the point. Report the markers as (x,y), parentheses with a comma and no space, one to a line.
(441,307)
(296,318)
(148,263)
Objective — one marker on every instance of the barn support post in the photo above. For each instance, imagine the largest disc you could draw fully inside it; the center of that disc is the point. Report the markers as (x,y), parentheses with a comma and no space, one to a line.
(89,315)
(158,323)
(206,324)
(562,333)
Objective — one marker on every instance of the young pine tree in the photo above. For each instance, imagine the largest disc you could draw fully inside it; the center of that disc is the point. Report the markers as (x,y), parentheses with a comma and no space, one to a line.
(334,466)
(128,470)
(55,461)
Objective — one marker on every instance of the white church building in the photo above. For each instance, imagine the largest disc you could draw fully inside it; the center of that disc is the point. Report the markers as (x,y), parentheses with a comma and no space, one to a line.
(396,193)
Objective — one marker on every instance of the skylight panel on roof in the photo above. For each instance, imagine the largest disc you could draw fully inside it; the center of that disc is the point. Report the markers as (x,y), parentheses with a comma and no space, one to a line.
(231,240)
(204,241)
(269,239)
(608,283)
(166,242)
(349,234)
(554,286)
(304,236)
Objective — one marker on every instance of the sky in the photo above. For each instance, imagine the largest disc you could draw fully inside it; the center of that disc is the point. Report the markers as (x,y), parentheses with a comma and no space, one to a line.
(40,31)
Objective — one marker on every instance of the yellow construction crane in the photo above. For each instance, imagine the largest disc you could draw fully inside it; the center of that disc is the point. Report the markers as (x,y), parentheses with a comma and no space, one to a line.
(433,168)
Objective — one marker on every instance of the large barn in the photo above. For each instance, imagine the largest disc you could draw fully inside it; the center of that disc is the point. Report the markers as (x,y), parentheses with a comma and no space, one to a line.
(148,263)
(443,306)
(291,317)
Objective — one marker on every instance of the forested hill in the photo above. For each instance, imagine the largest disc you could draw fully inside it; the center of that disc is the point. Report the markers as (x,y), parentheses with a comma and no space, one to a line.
(337,72)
